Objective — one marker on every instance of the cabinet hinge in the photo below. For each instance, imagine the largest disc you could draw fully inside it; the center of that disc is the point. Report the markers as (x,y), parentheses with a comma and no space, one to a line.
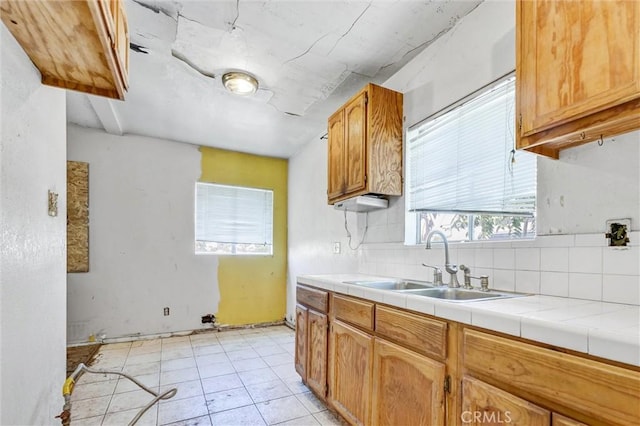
(447,384)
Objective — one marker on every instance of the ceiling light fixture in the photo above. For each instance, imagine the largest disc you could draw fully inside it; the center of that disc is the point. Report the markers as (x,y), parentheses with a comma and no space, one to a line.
(240,83)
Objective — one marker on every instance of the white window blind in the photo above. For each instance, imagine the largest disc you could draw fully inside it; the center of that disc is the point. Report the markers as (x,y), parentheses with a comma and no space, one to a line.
(233,215)
(462,160)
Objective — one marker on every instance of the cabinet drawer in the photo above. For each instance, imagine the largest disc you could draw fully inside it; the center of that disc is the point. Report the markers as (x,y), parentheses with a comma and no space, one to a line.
(358,312)
(601,391)
(314,298)
(425,335)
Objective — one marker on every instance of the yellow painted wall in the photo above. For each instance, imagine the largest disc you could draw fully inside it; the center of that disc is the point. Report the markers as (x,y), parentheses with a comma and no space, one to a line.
(252,288)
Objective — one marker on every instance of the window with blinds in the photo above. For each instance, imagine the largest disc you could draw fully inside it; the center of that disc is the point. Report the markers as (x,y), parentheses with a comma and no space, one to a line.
(233,220)
(464,175)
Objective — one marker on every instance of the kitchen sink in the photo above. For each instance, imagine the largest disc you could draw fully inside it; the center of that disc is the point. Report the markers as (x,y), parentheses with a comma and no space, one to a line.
(393,284)
(462,295)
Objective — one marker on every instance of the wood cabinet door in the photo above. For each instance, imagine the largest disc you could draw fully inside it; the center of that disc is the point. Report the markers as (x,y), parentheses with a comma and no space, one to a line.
(408,388)
(355,121)
(302,343)
(560,420)
(336,156)
(351,358)
(317,352)
(575,58)
(483,404)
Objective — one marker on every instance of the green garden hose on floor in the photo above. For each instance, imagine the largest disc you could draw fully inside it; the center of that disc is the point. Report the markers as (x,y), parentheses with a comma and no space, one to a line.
(67,390)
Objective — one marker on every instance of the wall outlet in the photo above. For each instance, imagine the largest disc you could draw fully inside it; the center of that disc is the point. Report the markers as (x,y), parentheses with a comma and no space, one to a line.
(166,312)
(336,247)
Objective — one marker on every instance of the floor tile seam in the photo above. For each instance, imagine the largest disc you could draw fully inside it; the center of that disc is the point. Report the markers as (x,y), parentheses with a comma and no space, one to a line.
(290,420)
(114,393)
(204,395)
(229,409)
(180,420)
(165,371)
(235,408)
(153,407)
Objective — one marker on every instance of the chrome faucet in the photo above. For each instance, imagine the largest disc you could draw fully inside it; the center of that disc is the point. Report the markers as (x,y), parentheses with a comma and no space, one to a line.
(451,269)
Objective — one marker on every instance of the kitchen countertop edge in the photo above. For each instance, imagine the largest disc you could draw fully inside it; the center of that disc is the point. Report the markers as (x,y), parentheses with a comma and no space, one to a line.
(606,330)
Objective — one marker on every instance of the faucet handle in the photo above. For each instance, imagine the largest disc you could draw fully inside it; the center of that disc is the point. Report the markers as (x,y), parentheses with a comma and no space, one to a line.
(437,274)
(467,276)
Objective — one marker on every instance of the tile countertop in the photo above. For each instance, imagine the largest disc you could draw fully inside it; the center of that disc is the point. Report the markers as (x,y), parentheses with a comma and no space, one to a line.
(607,330)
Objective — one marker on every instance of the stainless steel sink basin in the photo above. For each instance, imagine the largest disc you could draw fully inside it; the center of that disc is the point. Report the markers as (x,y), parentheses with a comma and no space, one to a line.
(462,295)
(393,284)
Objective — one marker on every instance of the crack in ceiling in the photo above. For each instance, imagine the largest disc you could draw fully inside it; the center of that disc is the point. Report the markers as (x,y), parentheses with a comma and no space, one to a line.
(306,51)
(308,56)
(350,28)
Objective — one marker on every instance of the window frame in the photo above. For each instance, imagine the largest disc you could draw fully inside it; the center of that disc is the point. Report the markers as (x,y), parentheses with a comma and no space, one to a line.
(234,248)
(413,218)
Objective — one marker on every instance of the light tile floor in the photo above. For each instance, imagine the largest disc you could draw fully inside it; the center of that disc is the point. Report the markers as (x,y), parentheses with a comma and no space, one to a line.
(241,377)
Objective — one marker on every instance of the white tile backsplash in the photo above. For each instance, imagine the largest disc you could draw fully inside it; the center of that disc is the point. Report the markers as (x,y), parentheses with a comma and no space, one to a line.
(483,258)
(590,240)
(528,259)
(528,282)
(503,258)
(621,289)
(578,266)
(503,279)
(621,261)
(554,283)
(585,260)
(554,259)
(585,286)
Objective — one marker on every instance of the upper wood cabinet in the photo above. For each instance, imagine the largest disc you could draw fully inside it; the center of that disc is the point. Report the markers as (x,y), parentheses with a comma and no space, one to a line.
(365,145)
(79,45)
(577,72)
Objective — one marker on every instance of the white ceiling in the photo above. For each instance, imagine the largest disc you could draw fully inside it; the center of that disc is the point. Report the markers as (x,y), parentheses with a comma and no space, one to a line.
(308,56)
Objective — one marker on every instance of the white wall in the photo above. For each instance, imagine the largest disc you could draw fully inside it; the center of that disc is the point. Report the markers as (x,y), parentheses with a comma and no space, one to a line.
(313,225)
(576,194)
(141,243)
(32,251)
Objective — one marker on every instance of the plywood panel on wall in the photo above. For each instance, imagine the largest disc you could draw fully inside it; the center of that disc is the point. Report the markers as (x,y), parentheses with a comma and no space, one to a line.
(77,216)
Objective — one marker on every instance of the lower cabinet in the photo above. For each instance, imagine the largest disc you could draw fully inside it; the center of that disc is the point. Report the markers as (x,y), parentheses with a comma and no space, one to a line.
(380,365)
(594,392)
(301,342)
(485,404)
(317,352)
(559,420)
(311,349)
(350,360)
(408,388)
